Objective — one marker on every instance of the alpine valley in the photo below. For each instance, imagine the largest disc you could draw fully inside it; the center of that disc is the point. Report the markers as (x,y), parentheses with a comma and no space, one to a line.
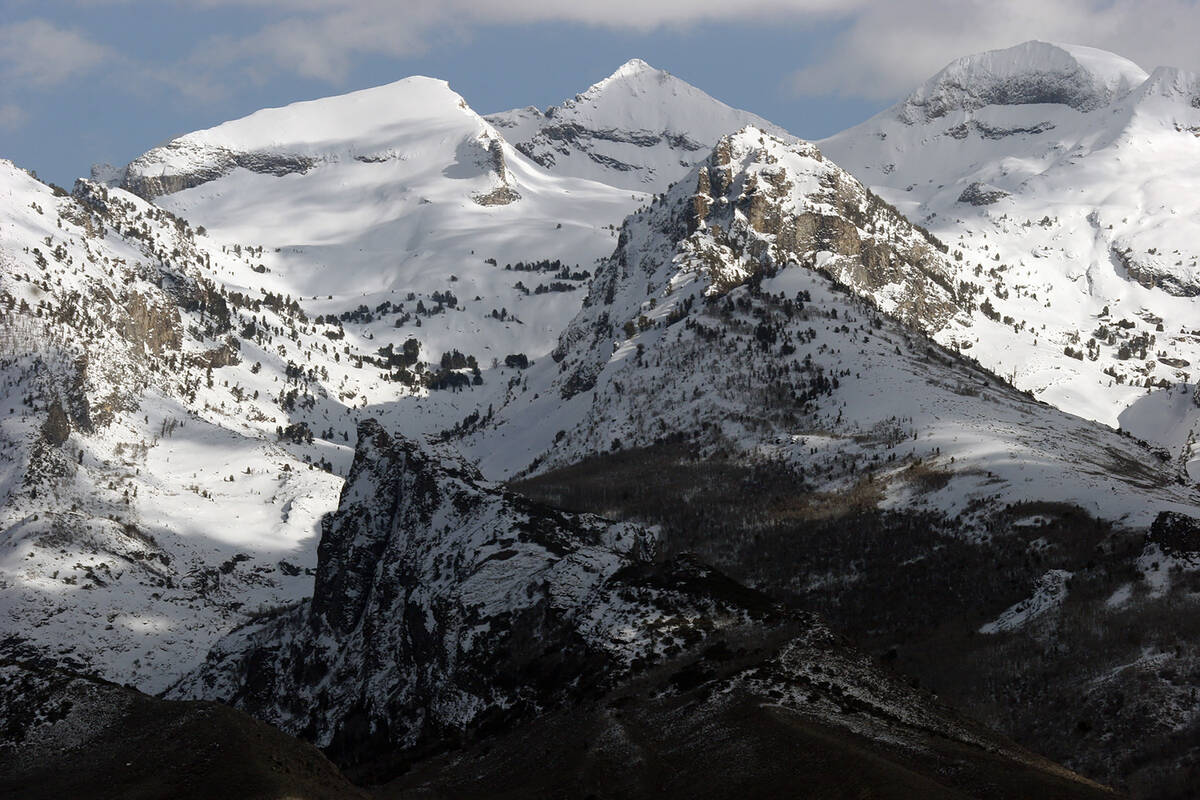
(371,447)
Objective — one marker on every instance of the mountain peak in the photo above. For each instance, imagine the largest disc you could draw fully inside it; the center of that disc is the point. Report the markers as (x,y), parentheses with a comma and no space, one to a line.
(635,78)
(376,123)
(641,128)
(634,66)
(315,124)
(1083,78)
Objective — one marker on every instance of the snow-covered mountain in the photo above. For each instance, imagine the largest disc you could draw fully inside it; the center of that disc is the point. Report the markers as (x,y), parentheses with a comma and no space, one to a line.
(191,345)
(386,249)
(742,375)
(762,303)
(640,128)
(396,195)
(402,194)
(1065,180)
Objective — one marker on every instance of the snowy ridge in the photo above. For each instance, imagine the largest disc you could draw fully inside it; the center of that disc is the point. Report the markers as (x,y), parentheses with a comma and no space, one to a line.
(640,128)
(404,196)
(366,125)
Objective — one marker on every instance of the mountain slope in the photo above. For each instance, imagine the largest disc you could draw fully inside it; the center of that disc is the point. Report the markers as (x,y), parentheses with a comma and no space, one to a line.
(1066,178)
(71,736)
(733,379)
(640,128)
(731,312)
(134,387)
(396,195)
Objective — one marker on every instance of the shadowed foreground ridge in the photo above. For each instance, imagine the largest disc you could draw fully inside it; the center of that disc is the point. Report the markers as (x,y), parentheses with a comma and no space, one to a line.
(65,735)
(420,660)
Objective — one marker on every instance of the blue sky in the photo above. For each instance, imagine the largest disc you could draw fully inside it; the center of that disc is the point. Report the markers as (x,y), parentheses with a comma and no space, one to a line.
(83,81)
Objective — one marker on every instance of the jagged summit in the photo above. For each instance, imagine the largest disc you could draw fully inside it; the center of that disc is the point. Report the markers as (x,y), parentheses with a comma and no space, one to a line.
(1083,78)
(639,128)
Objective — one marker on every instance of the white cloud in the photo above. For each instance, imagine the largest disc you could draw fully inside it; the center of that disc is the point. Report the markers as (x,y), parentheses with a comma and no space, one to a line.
(322,38)
(884,48)
(897,45)
(38,53)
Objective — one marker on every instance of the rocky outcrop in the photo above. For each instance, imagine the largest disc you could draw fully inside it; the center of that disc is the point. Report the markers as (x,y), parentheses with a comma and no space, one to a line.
(1152,270)
(759,205)
(500,196)
(57,428)
(441,605)
(979,194)
(151,326)
(143,179)
(493,160)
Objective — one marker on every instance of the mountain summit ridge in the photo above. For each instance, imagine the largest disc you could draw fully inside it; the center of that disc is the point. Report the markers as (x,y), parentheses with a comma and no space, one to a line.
(639,128)
(1034,72)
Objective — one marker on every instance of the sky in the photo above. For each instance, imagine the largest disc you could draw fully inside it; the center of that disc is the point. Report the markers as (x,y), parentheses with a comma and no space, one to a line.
(87,81)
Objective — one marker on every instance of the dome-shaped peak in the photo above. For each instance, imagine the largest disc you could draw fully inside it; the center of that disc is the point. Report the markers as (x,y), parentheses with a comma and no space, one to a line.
(1083,78)
(363,114)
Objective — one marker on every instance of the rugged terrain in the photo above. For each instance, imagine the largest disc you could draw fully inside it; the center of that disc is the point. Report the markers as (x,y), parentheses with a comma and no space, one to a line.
(447,611)
(66,735)
(741,374)
(877,379)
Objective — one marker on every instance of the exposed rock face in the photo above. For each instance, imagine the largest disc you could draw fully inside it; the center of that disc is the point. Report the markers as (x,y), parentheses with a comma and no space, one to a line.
(493,161)
(382,481)
(155,326)
(1152,270)
(57,428)
(978,194)
(761,204)
(440,603)
(501,196)
(213,163)
(1033,72)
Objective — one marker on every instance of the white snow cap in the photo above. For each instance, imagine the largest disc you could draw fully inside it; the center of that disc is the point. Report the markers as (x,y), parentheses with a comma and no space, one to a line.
(1083,78)
(640,97)
(368,114)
